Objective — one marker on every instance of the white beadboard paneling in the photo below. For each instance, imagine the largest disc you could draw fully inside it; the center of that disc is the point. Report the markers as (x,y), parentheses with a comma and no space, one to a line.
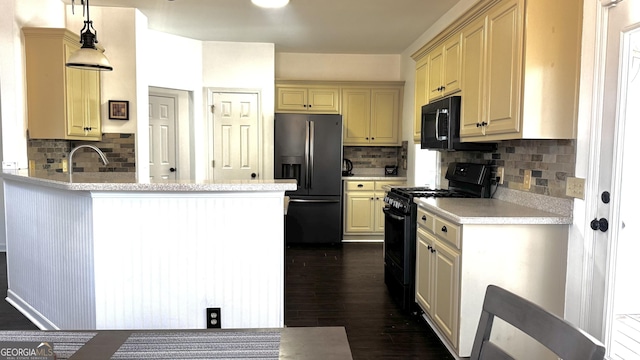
(50,262)
(144,260)
(170,256)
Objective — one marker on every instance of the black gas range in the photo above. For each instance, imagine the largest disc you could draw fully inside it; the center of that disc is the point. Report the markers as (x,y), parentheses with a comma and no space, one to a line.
(466,180)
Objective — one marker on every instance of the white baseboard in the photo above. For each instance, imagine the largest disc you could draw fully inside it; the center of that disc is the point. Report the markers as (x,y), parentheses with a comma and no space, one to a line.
(29,312)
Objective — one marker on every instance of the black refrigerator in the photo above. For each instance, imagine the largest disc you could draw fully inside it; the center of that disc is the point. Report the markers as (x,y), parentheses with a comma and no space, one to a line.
(308,148)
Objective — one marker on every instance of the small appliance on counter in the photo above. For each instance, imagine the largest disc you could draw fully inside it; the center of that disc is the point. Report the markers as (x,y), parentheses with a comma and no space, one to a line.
(391,170)
(347,167)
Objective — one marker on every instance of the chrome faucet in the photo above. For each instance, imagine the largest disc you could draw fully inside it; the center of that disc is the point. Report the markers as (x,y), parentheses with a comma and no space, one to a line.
(102,156)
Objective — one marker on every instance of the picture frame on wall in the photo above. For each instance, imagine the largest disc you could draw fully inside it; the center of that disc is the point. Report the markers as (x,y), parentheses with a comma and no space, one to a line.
(118,109)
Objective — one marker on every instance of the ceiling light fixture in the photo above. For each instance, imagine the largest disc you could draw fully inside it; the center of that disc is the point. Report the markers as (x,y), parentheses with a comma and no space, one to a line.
(88,57)
(272,4)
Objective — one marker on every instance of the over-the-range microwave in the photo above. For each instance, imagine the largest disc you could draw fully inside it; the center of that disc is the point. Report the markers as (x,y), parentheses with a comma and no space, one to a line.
(441,127)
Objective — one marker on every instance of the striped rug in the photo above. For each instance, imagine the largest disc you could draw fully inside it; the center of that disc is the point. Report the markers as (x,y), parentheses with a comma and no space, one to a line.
(263,344)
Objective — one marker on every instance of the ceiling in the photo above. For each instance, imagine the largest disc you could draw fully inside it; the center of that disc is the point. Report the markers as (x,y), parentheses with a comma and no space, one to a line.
(306,26)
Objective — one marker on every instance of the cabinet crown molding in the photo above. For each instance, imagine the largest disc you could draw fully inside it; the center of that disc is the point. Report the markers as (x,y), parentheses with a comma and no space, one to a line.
(475,12)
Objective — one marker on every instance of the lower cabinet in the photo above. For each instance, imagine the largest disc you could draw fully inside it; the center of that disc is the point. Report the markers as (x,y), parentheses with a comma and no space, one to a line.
(363,204)
(456,262)
(438,282)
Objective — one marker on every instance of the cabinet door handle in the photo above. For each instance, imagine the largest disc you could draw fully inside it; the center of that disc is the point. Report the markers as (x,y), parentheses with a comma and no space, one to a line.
(309,106)
(433,250)
(424,217)
(429,247)
(371,198)
(444,229)
(373,138)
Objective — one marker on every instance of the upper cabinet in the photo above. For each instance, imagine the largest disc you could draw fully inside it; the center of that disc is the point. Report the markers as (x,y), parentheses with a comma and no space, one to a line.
(371,110)
(421,85)
(515,84)
(62,103)
(307,99)
(371,115)
(444,69)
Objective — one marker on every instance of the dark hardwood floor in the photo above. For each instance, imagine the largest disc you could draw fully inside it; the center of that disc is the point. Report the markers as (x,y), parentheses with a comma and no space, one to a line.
(343,285)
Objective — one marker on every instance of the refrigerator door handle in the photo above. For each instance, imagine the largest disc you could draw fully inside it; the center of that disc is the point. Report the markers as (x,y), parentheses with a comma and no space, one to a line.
(312,201)
(312,131)
(306,156)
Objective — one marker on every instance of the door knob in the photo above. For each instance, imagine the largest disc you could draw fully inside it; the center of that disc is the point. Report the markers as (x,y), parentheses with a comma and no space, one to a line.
(600,224)
(253,175)
(172,169)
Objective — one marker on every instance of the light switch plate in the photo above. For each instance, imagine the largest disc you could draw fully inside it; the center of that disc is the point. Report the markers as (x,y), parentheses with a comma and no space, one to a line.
(526,185)
(575,187)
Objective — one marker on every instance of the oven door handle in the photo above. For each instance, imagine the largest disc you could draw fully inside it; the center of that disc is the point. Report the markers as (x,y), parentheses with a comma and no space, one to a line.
(393,216)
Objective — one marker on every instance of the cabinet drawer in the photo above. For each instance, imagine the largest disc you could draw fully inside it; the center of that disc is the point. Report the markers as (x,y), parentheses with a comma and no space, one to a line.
(425,220)
(381,184)
(360,185)
(448,232)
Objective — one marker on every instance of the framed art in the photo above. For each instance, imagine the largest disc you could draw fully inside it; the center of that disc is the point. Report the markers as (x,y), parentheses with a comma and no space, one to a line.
(118,109)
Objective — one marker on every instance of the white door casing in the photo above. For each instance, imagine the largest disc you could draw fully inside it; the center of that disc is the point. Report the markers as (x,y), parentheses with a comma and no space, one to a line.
(162,138)
(236,144)
(614,105)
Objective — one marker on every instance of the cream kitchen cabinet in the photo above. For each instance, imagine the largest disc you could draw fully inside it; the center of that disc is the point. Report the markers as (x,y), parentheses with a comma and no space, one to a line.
(307,99)
(438,273)
(62,103)
(444,69)
(371,116)
(421,86)
(529,90)
(515,84)
(457,260)
(363,204)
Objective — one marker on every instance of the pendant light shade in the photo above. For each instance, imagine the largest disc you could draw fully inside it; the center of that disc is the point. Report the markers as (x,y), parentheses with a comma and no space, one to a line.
(270,3)
(88,57)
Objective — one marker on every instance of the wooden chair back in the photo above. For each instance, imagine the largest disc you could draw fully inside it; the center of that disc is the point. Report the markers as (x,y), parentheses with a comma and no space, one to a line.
(558,335)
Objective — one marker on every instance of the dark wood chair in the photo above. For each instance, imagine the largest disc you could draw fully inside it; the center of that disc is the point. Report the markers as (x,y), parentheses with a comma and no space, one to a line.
(558,335)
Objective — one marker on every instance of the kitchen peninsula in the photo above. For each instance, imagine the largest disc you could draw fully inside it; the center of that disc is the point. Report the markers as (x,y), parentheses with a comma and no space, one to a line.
(128,255)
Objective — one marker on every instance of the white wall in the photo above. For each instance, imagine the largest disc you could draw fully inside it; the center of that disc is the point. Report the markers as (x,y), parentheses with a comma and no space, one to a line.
(244,66)
(347,67)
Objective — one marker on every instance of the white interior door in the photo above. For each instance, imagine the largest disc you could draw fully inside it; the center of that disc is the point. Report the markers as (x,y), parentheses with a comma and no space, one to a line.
(617,246)
(235,136)
(162,138)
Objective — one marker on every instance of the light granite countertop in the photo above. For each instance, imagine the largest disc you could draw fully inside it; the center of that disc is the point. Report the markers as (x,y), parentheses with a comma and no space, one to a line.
(489,211)
(119,182)
(374,178)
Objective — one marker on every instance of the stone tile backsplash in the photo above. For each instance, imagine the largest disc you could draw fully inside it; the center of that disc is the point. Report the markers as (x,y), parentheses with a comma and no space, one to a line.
(370,157)
(47,155)
(550,162)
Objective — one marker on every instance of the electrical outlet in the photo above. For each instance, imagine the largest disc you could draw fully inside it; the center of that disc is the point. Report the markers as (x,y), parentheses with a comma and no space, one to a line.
(500,174)
(575,187)
(527,180)
(213,318)
(65,165)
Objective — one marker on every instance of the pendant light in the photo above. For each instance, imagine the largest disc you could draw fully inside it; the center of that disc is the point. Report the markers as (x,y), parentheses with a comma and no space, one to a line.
(88,57)
(270,3)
